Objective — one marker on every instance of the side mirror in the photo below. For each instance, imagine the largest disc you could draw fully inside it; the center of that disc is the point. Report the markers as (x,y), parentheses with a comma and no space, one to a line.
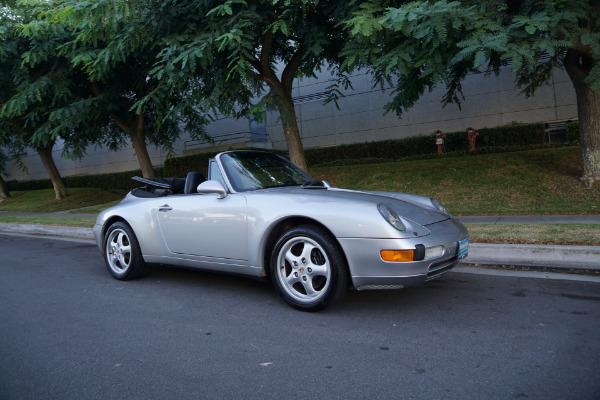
(212,187)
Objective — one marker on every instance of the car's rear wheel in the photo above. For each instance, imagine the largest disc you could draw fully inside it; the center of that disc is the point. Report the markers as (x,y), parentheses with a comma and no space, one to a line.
(122,253)
(308,268)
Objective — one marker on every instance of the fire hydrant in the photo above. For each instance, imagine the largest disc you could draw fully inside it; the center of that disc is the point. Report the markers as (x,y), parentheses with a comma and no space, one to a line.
(471,135)
(439,140)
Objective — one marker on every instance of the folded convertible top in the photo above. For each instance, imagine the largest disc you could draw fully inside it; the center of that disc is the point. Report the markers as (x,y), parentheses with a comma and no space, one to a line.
(158,187)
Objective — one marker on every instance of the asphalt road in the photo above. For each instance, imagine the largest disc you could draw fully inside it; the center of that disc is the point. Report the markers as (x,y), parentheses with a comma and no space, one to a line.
(70,331)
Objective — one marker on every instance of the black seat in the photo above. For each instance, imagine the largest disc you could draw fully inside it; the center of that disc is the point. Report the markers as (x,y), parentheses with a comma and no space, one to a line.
(192,180)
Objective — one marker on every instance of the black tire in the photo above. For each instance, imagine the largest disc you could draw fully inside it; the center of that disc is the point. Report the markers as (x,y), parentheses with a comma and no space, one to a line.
(308,268)
(122,253)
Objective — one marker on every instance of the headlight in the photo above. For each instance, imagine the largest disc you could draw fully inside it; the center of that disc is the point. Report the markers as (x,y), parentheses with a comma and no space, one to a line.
(439,206)
(434,252)
(391,217)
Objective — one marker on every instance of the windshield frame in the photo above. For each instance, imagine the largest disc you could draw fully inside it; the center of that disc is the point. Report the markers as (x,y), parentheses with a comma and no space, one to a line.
(232,176)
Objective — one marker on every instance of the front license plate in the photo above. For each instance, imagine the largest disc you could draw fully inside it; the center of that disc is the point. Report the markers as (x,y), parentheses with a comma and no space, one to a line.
(463,248)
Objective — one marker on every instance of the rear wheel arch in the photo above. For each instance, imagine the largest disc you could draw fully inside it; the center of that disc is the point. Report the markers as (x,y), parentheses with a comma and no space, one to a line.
(109,222)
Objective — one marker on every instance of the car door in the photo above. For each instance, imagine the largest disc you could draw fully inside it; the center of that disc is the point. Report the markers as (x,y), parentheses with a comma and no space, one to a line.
(203,225)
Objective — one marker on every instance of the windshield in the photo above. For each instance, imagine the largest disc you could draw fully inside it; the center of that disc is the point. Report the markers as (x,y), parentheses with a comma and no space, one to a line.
(249,170)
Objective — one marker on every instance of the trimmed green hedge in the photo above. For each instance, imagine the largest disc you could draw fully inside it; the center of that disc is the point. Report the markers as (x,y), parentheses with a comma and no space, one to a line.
(112,181)
(513,136)
(573,132)
(517,136)
(180,166)
(429,156)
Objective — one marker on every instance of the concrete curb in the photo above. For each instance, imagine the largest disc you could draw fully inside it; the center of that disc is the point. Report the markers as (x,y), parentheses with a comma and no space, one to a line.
(567,257)
(48,230)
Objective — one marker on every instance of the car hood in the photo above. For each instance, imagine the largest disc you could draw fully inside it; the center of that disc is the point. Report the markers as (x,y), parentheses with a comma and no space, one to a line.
(411,207)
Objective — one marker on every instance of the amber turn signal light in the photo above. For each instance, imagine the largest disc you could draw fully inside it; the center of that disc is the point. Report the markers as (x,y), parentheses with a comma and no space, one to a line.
(398,255)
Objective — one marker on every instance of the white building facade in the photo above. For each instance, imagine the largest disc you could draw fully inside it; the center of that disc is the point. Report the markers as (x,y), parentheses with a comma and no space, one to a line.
(490,101)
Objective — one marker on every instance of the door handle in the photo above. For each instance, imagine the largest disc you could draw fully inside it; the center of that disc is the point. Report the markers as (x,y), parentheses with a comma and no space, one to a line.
(165,208)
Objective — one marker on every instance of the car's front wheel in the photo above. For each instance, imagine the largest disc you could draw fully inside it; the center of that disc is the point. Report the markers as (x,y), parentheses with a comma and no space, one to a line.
(308,268)
(122,253)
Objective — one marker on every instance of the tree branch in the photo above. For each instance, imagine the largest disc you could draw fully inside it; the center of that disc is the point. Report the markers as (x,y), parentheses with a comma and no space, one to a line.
(577,70)
(120,123)
(148,87)
(257,77)
(95,88)
(265,51)
(266,72)
(139,123)
(289,72)
(256,64)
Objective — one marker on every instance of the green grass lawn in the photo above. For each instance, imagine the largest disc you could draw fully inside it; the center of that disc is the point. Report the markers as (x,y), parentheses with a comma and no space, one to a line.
(527,182)
(44,201)
(64,221)
(564,234)
(97,208)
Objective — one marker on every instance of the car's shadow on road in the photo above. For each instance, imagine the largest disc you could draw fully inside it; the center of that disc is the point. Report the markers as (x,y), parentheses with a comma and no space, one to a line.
(434,295)
(440,294)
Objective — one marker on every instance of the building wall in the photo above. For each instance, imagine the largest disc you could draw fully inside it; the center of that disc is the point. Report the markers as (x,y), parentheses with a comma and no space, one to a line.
(489,101)
(96,161)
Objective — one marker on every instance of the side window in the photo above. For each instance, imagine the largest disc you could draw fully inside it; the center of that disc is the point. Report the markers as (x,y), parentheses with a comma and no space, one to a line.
(214,173)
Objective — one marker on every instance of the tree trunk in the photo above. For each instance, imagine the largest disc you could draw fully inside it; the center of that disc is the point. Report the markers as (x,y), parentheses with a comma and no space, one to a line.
(4,193)
(588,104)
(287,113)
(139,145)
(578,65)
(135,132)
(45,153)
(281,90)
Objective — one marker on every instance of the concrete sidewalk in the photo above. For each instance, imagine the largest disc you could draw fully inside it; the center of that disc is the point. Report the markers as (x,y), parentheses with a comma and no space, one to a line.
(49,230)
(529,255)
(566,257)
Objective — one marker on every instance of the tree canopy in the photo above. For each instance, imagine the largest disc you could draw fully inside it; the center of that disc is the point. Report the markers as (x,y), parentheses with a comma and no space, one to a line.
(430,43)
(241,57)
(78,81)
(31,91)
(116,53)
(103,71)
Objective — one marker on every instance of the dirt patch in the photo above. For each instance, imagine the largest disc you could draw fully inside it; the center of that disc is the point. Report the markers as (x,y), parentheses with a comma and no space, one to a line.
(564,184)
(570,164)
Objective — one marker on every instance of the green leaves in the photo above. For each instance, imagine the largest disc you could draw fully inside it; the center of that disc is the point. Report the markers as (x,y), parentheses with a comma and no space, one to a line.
(428,42)
(225,8)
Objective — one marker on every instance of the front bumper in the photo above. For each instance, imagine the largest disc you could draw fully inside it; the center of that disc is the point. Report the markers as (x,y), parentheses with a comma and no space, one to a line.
(369,271)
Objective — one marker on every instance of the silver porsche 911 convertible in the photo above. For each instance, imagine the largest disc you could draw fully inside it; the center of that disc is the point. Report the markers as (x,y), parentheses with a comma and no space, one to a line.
(259,215)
